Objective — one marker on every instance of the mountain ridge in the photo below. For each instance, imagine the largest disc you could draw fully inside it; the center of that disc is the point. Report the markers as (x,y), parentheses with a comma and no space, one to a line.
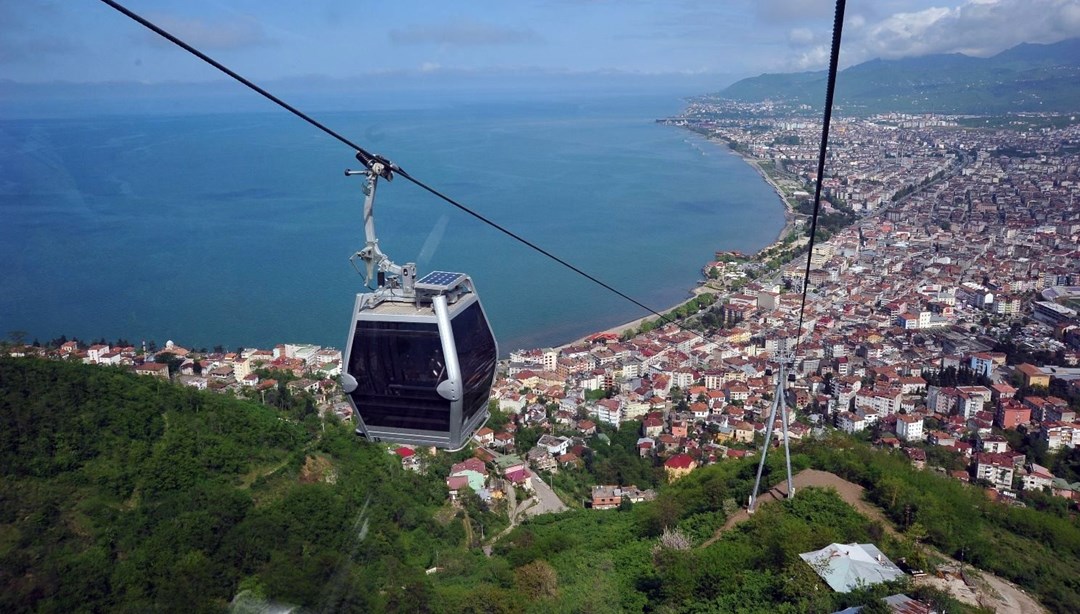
(1026,77)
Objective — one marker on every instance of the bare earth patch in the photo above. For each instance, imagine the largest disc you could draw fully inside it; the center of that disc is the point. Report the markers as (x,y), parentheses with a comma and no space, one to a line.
(982,589)
(318,468)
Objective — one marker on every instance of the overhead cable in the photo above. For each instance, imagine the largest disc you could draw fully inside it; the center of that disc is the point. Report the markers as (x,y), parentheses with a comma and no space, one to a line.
(834,57)
(368,159)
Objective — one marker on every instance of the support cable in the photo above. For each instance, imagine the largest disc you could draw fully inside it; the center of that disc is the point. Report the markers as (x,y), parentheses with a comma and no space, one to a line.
(386,168)
(779,401)
(834,58)
(370,160)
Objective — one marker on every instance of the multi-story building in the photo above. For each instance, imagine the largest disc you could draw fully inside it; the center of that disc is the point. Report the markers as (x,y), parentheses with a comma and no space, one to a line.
(995,468)
(1011,414)
(909,427)
(1052,313)
(1059,435)
(850,423)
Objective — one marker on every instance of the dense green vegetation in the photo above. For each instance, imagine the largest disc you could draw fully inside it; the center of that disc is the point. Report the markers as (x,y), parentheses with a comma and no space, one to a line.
(829,222)
(682,312)
(617,462)
(126,493)
(1040,551)
(623,560)
(615,564)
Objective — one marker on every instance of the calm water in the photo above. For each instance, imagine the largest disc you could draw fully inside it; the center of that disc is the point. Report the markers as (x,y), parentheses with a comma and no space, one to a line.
(236,229)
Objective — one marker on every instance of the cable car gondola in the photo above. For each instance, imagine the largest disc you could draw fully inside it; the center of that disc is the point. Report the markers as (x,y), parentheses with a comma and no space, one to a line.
(420,355)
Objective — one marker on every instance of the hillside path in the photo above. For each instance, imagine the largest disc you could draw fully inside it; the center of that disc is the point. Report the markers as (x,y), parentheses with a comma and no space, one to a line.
(850,492)
(995,593)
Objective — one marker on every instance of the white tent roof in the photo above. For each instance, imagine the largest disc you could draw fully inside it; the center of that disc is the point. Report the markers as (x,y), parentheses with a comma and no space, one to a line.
(847,566)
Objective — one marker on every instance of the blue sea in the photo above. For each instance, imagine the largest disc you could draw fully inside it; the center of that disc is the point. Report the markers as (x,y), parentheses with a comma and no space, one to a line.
(236,228)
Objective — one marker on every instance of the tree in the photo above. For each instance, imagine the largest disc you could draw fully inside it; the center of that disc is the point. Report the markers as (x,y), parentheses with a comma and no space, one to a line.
(537,580)
(1066,464)
(595,394)
(498,418)
(170,359)
(526,438)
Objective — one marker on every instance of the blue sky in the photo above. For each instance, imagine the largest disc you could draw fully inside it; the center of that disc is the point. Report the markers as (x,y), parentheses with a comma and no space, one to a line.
(87,41)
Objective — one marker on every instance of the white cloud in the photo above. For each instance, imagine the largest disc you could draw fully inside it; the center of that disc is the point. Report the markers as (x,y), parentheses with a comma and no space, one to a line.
(972,27)
(814,58)
(977,27)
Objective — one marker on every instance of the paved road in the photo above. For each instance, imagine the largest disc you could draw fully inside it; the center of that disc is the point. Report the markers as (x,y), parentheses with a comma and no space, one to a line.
(543,501)
(547,500)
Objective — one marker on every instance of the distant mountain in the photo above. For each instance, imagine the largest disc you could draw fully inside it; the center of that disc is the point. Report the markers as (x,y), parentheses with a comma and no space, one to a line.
(1028,77)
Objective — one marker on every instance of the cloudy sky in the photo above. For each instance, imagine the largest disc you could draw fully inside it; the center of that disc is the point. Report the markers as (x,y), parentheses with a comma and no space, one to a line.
(87,41)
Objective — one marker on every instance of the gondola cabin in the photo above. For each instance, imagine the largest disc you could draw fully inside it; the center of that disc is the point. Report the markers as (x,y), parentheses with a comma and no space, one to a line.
(420,364)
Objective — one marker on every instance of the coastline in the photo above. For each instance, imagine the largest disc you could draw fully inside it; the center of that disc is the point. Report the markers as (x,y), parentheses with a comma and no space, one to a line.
(789,214)
(788,227)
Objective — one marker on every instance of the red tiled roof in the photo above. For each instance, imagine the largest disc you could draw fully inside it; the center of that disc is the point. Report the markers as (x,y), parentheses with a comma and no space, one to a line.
(679,461)
(518,475)
(469,464)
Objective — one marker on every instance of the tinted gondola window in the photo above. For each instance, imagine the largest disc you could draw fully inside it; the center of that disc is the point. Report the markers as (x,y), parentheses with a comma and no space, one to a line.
(397,367)
(476,354)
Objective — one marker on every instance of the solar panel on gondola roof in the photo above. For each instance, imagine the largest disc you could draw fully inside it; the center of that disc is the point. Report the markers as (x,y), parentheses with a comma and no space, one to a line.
(439,281)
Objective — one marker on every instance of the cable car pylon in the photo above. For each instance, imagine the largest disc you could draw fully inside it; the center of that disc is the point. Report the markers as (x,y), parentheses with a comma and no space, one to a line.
(779,403)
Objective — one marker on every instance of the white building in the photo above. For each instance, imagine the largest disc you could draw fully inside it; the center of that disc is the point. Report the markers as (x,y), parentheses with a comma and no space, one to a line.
(556,446)
(608,411)
(909,428)
(851,423)
(995,468)
(1038,478)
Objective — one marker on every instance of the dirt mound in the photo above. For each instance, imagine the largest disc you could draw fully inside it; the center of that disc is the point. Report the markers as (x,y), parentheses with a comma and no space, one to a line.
(317,469)
(850,492)
(991,592)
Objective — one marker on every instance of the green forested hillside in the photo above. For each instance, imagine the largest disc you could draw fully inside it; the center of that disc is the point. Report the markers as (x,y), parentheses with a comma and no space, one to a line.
(1028,77)
(125,493)
(1037,546)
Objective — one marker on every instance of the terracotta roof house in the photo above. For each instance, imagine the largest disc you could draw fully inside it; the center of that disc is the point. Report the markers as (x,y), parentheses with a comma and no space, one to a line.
(678,466)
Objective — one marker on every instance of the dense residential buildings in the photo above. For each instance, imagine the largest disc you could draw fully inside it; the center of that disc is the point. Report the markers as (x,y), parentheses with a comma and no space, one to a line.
(960,239)
(963,242)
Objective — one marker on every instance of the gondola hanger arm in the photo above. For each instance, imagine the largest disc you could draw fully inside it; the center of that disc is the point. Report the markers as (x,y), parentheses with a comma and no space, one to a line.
(377,265)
